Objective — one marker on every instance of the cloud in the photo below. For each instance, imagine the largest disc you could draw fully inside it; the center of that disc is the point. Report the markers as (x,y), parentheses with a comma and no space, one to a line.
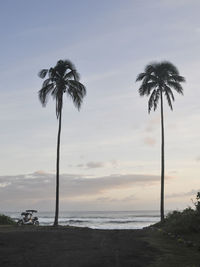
(150,141)
(40,186)
(78,165)
(129,198)
(124,199)
(98,164)
(92,165)
(183,194)
(40,172)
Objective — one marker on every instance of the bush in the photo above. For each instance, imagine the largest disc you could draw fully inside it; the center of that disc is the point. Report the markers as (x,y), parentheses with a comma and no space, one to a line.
(182,222)
(187,221)
(197,203)
(6,220)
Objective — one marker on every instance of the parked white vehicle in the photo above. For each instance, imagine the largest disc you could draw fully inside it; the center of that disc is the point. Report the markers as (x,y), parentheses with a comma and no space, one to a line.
(28,218)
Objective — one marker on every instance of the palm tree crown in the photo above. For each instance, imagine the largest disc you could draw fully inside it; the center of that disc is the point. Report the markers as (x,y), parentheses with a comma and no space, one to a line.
(63,78)
(157,78)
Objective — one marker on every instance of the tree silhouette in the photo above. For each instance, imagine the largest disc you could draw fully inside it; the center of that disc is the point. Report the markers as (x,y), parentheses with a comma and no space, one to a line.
(159,79)
(63,78)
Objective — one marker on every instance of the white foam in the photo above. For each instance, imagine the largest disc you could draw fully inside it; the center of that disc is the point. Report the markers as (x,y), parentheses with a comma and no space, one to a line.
(100,220)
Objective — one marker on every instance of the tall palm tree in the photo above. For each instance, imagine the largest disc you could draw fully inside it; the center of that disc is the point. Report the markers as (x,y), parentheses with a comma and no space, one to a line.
(159,79)
(63,78)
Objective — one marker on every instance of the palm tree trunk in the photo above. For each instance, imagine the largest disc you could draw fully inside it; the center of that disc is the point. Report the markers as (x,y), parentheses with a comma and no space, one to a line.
(162,163)
(57,171)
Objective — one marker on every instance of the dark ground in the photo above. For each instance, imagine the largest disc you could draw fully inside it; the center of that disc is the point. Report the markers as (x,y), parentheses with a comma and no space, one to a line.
(82,247)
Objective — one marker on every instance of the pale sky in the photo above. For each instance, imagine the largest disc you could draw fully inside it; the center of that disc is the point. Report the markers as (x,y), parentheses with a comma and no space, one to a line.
(110,150)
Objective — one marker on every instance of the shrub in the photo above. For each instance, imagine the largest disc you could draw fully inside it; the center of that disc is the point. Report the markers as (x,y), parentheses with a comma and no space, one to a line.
(183,222)
(197,203)
(6,220)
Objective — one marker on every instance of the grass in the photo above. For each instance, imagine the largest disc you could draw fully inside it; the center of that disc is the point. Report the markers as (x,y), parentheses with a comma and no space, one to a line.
(172,253)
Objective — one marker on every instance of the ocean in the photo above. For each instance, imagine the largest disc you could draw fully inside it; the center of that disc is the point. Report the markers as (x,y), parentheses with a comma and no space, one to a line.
(98,219)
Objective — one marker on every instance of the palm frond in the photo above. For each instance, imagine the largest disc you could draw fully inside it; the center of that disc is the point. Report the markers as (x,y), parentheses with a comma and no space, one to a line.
(42,73)
(140,76)
(150,68)
(76,75)
(46,82)
(76,91)
(156,99)
(52,73)
(146,88)
(72,74)
(167,66)
(77,100)
(168,99)
(68,64)
(151,101)
(142,90)
(148,78)
(176,86)
(169,91)
(69,75)
(78,86)
(44,93)
(177,78)
(54,92)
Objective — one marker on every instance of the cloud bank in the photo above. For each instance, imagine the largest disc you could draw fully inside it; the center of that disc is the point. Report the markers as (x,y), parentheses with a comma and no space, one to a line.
(40,186)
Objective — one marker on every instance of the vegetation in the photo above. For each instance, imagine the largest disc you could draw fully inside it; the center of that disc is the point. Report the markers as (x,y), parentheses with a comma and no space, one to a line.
(170,252)
(5,220)
(159,79)
(63,78)
(185,222)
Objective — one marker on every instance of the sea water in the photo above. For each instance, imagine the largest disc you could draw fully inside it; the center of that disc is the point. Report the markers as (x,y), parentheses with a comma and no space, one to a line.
(98,219)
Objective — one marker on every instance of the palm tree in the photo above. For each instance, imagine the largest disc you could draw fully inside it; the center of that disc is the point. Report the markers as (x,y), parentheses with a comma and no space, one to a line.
(63,78)
(159,79)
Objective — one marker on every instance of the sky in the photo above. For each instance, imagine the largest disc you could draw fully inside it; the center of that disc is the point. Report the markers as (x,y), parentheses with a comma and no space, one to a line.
(110,150)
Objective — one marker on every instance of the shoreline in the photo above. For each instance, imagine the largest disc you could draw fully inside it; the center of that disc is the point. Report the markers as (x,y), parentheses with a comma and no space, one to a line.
(97,219)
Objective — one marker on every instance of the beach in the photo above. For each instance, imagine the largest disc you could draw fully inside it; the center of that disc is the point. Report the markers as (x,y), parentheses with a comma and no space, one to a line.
(105,220)
(84,247)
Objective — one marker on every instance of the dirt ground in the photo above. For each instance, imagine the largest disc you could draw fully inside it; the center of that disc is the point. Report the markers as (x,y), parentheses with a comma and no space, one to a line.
(77,247)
